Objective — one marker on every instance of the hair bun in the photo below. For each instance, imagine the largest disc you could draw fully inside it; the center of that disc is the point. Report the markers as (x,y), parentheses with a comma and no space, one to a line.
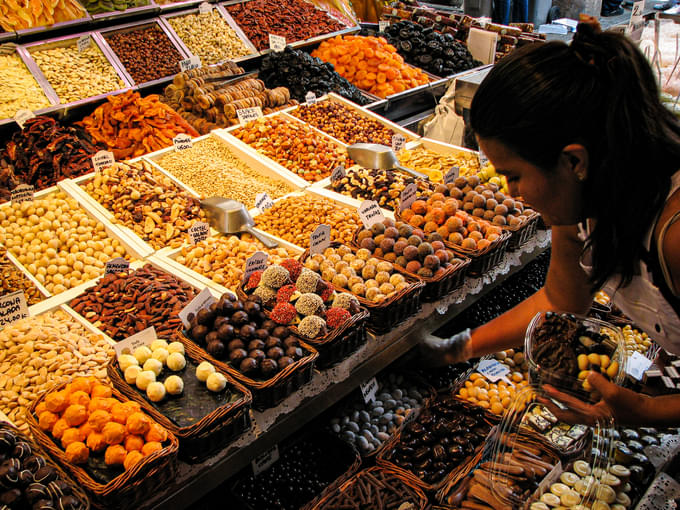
(587,45)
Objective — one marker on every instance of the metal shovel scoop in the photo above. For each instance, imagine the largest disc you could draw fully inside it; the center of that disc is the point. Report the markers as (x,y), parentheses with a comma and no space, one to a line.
(231,217)
(374,155)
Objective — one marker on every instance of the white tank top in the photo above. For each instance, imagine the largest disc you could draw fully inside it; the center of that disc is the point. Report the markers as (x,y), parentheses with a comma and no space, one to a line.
(641,300)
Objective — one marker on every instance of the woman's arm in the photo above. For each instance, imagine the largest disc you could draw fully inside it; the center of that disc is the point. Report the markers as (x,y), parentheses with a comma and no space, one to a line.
(566,289)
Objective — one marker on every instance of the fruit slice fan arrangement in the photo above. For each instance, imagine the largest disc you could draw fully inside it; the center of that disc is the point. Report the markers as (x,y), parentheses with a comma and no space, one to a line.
(22,14)
(371,63)
(435,165)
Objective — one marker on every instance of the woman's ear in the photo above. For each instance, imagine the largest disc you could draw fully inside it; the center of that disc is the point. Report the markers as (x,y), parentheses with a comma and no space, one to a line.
(574,158)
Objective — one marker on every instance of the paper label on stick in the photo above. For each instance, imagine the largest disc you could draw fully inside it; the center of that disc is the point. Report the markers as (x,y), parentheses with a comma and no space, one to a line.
(483,160)
(398,142)
(13,307)
(263,202)
(369,389)
(636,24)
(182,142)
(256,262)
(408,196)
(22,193)
(84,42)
(117,265)
(21,116)
(320,239)
(245,115)
(189,63)
(338,173)
(205,8)
(199,231)
(310,98)
(102,160)
(370,213)
(482,45)
(493,370)
(128,345)
(382,25)
(203,300)
(637,365)
(265,461)
(277,42)
(452,175)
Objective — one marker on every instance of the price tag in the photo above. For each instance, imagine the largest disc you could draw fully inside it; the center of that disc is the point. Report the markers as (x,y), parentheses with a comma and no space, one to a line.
(21,116)
(493,370)
(369,389)
(203,300)
(245,115)
(256,262)
(337,173)
(13,307)
(637,365)
(117,265)
(637,22)
(182,142)
(263,202)
(370,213)
(408,196)
(205,8)
(320,239)
(23,193)
(128,345)
(84,42)
(189,63)
(277,42)
(102,160)
(265,461)
(483,160)
(398,141)
(199,231)
(382,25)
(310,98)
(452,175)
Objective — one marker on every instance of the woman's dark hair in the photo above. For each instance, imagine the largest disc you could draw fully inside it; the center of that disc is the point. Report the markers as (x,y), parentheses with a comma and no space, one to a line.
(599,92)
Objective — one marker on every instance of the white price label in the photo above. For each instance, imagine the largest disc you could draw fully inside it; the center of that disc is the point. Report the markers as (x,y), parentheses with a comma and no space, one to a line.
(256,262)
(382,25)
(84,42)
(245,115)
(310,98)
(189,63)
(398,141)
(13,307)
(117,265)
(22,193)
(483,160)
(320,239)
(452,175)
(493,370)
(482,45)
(338,173)
(263,202)
(203,300)
(369,389)
(182,142)
(637,365)
(265,461)
(128,345)
(199,231)
(277,42)
(205,8)
(370,213)
(408,196)
(21,116)
(102,160)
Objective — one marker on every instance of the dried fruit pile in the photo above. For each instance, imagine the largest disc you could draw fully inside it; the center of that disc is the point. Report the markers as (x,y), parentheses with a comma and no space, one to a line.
(19,15)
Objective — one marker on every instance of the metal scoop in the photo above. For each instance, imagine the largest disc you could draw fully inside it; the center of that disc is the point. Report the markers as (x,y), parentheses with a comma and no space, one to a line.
(374,155)
(231,217)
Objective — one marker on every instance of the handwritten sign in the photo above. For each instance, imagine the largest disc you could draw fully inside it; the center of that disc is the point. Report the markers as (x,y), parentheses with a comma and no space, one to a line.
(199,231)
(256,262)
(84,42)
(102,160)
(263,202)
(245,115)
(493,370)
(382,25)
(265,461)
(189,63)
(203,300)
(369,389)
(637,365)
(451,176)
(22,193)
(277,42)
(205,8)
(182,142)
(482,45)
(310,98)
(337,173)
(398,142)
(320,239)
(408,196)
(370,213)
(128,345)
(636,24)
(21,116)
(117,265)
(13,307)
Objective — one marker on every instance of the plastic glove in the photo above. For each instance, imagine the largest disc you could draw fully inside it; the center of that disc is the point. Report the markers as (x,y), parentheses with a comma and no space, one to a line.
(437,352)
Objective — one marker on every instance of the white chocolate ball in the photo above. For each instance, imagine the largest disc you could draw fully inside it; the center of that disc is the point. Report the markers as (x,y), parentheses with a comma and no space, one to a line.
(144,379)
(176,362)
(216,382)
(131,373)
(160,354)
(176,347)
(174,385)
(127,360)
(142,354)
(204,370)
(159,343)
(155,391)
(154,365)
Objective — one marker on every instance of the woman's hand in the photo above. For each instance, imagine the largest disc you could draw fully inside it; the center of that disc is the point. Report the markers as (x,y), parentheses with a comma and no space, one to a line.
(437,352)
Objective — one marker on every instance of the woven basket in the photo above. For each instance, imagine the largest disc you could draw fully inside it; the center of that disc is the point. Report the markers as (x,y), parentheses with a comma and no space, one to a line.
(486,259)
(523,232)
(273,391)
(130,489)
(77,490)
(209,434)
(391,477)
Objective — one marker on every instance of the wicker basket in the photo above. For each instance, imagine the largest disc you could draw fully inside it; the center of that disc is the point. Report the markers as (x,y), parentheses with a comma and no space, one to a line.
(486,259)
(210,433)
(130,489)
(387,476)
(273,391)
(77,490)
(523,232)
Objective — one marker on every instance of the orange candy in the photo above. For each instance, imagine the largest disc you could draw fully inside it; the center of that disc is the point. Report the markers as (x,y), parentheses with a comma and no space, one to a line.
(79,397)
(150,447)
(132,458)
(95,442)
(114,433)
(138,423)
(75,415)
(121,411)
(115,455)
(134,443)
(77,453)
(98,419)
(101,390)
(156,433)
(47,420)
(56,401)
(59,427)
(69,436)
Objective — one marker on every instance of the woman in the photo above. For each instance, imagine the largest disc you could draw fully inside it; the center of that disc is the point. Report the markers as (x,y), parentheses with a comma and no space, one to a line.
(579,133)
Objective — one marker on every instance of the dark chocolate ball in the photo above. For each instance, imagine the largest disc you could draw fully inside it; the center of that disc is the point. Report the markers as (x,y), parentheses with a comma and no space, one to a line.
(236,343)
(226,307)
(248,365)
(252,309)
(45,475)
(22,450)
(219,321)
(257,354)
(10,497)
(238,305)
(33,463)
(69,503)
(281,331)
(205,317)
(9,473)
(216,349)
(272,341)
(239,318)
(43,504)
(25,477)
(238,355)
(198,333)
(294,352)
(291,341)
(284,361)
(275,353)
(255,344)
(268,367)
(261,334)
(58,488)
(246,332)
(7,441)
(226,332)
(268,325)
(212,337)
(36,491)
